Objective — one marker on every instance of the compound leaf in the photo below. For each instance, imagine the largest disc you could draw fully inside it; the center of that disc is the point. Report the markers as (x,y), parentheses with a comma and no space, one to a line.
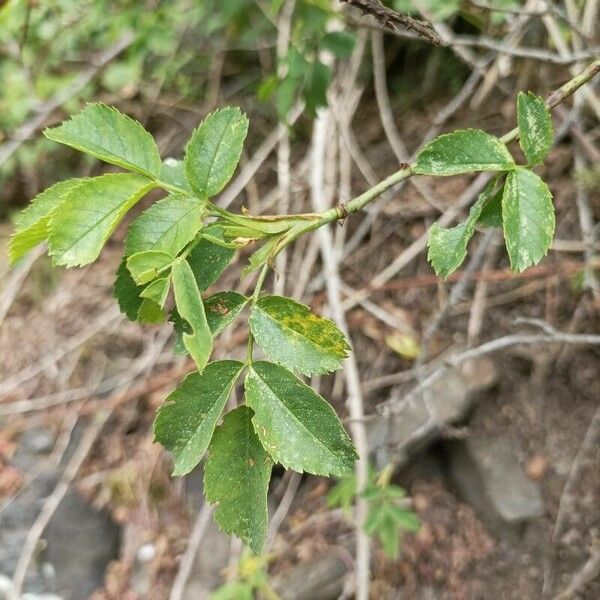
(236,477)
(32,223)
(185,422)
(528,216)
(214,151)
(297,427)
(88,215)
(199,342)
(168,225)
(535,127)
(297,338)
(463,151)
(111,136)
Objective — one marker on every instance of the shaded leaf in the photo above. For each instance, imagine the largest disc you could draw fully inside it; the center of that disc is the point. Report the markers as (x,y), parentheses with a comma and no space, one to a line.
(199,342)
(448,247)
(150,312)
(528,216)
(535,127)
(157,291)
(292,335)
(111,136)
(208,261)
(214,151)
(185,422)
(127,292)
(491,212)
(222,308)
(145,266)
(32,223)
(463,151)
(167,226)
(236,477)
(296,426)
(89,214)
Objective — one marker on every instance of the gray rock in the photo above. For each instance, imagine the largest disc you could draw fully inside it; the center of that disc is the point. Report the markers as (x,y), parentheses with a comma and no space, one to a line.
(320,579)
(489,475)
(77,544)
(447,401)
(80,542)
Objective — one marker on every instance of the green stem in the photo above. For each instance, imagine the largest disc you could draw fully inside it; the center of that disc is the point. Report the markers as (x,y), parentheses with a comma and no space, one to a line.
(357,204)
(259,283)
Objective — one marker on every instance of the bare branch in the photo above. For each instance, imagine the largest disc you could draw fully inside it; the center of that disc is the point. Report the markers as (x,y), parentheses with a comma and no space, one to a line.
(391,20)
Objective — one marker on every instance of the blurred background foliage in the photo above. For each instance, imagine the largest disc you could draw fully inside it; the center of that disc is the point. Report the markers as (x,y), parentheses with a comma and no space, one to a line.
(169,52)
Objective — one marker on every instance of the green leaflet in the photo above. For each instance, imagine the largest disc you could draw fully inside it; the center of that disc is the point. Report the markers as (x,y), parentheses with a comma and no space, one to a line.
(388,521)
(448,247)
(150,312)
(236,477)
(127,292)
(111,136)
(260,227)
(168,225)
(297,338)
(171,172)
(145,266)
(185,422)
(32,223)
(491,212)
(208,261)
(536,132)
(463,151)
(264,254)
(88,215)
(214,151)
(222,308)
(528,215)
(157,291)
(190,307)
(297,427)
